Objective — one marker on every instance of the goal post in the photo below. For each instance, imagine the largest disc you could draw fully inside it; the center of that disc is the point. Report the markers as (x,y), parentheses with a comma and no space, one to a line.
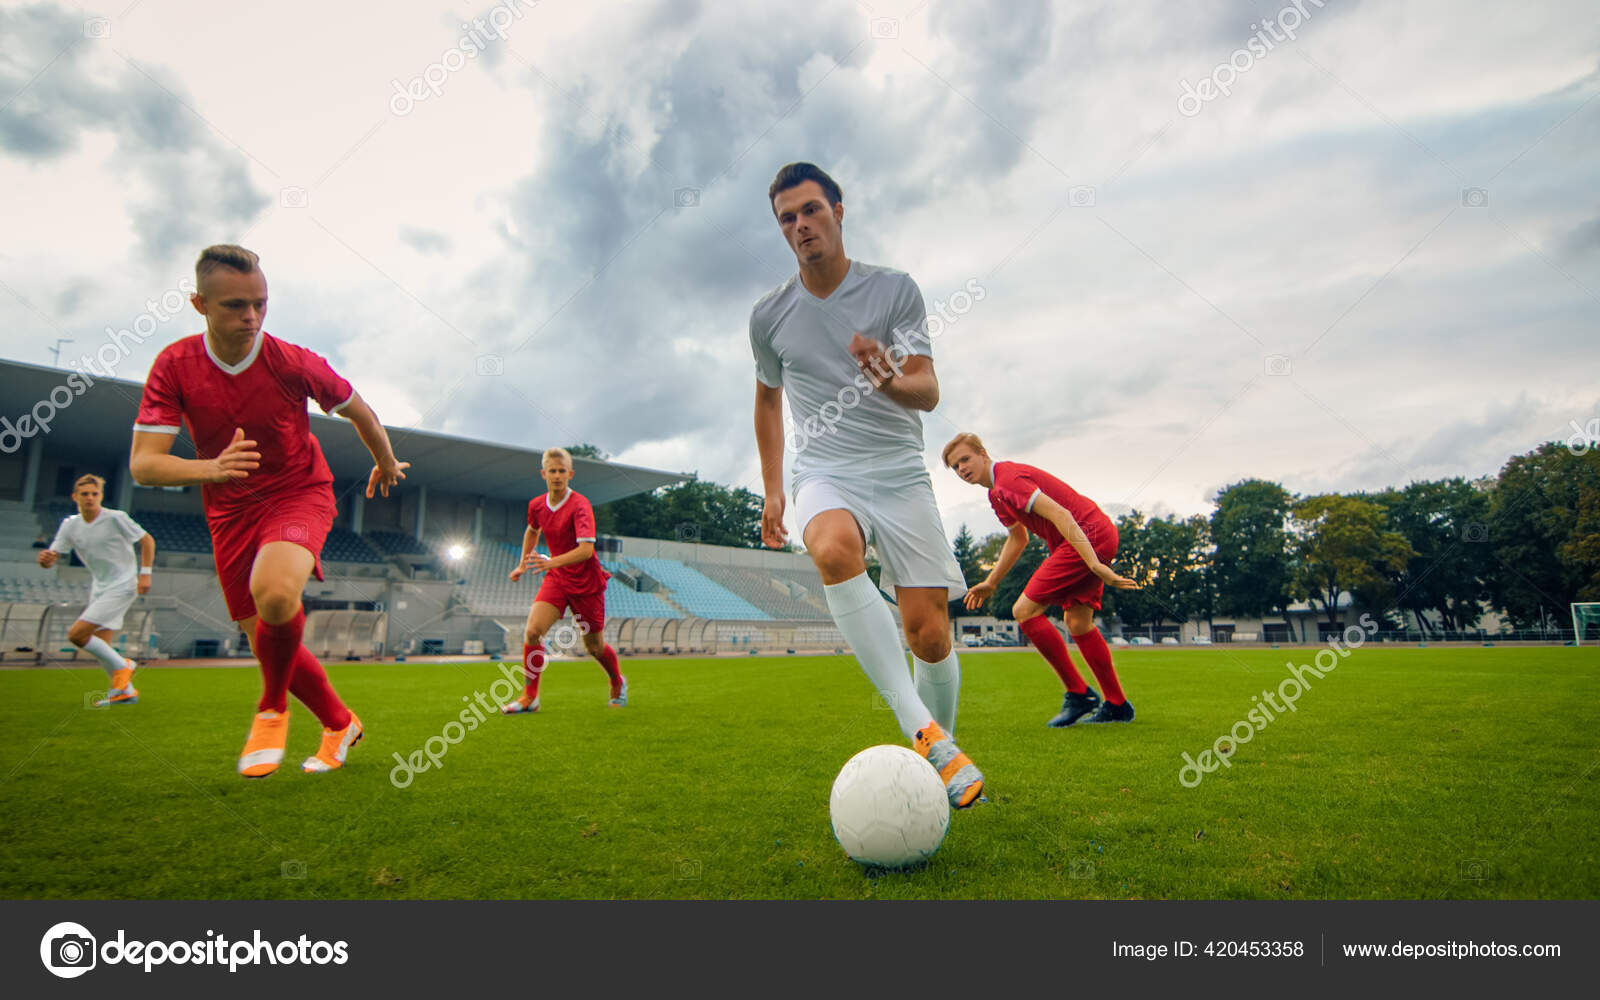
(1586,622)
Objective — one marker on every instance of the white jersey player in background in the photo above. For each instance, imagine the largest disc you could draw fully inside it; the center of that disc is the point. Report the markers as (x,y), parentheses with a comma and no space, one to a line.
(848,342)
(103,539)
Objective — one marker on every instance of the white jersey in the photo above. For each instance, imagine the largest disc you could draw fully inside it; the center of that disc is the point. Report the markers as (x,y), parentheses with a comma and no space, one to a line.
(105,545)
(842,426)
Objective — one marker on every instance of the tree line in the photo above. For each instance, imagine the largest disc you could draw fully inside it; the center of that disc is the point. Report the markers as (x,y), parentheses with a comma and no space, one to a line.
(1433,555)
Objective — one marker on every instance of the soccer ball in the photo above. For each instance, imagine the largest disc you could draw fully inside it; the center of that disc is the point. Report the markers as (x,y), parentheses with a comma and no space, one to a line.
(889,808)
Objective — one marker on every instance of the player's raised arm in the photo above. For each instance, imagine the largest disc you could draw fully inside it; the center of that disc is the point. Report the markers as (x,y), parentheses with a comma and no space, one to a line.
(387,471)
(152,463)
(907,379)
(769,443)
(1068,526)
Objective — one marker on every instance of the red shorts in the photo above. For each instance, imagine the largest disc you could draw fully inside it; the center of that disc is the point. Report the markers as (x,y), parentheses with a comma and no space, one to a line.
(304,519)
(588,609)
(1065,579)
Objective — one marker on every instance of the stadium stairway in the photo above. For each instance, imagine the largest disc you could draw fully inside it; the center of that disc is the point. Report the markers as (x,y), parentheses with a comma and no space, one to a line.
(19,528)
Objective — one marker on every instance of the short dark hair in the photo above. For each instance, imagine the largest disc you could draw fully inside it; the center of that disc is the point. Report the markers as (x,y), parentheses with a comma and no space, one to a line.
(229,255)
(796,174)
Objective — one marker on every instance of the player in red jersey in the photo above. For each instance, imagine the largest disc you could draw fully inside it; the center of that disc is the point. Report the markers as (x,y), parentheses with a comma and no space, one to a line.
(573,578)
(267,490)
(1081,539)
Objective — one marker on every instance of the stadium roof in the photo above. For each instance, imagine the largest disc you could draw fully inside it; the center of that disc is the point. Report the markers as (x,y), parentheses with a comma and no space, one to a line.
(98,426)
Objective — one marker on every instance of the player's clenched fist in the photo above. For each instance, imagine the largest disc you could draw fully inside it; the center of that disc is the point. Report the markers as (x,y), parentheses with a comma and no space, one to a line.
(773,534)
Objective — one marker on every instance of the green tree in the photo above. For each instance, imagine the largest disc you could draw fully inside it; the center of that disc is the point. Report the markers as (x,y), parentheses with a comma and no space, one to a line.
(1344,544)
(966,553)
(1448,575)
(1169,557)
(693,511)
(1252,567)
(989,549)
(587,451)
(1544,530)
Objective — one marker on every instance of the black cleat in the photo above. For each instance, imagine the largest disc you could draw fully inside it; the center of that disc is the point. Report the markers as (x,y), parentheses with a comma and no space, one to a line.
(1075,707)
(1112,713)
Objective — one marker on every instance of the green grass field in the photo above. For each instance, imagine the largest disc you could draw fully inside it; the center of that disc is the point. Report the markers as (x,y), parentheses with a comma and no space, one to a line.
(1405,773)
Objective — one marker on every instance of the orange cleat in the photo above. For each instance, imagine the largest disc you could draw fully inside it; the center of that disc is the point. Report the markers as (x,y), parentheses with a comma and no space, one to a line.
(963,782)
(336,744)
(263,751)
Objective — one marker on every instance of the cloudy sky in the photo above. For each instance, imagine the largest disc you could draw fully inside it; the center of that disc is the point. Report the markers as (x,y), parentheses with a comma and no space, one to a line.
(1208,250)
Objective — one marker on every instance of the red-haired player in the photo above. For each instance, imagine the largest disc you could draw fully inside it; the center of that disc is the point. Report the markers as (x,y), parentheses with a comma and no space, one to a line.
(267,490)
(1081,539)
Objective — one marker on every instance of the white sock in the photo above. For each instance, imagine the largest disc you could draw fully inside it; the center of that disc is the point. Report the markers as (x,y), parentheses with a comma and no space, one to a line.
(939,686)
(102,651)
(869,628)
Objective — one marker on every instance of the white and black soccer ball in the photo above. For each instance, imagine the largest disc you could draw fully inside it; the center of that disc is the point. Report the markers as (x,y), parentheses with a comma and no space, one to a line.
(889,808)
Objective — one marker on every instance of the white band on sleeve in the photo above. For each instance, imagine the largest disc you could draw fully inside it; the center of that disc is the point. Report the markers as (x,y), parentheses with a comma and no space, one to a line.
(156,428)
(1034,496)
(346,403)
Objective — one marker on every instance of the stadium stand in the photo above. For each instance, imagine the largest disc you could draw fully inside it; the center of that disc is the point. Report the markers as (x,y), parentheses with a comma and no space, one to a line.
(767,591)
(397,543)
(697,594)
(344,545)
(176,532)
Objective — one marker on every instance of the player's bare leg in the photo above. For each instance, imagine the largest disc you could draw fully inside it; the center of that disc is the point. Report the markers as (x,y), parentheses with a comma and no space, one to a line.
(935,668)
(96,641)
(594,643)
(1092,645)
(838,547)
(540,618)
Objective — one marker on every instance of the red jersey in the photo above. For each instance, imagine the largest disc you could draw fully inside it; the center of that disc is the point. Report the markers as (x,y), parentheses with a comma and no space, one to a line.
(1016,486)
(562,527)
(265,394)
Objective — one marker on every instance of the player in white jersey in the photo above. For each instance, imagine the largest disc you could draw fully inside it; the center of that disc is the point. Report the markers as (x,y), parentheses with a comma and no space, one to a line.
(848,341)
(104,541)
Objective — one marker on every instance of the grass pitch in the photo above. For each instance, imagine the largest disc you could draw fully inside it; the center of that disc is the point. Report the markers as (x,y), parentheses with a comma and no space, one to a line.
(1404,773)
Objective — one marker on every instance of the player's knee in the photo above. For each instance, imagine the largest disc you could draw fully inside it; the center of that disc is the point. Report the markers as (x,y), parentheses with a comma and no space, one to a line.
(1024,609)
(275,602)
(928,640)
(80,633)
(532,637)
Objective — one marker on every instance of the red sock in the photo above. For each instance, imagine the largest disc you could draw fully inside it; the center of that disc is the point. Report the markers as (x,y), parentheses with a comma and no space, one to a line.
(608,660)
(1095,653)
(533,659)
(275,648)
(309,683)
(1053,648)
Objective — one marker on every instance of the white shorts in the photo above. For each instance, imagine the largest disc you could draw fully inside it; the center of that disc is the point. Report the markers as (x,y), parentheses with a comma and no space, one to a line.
(900,521)
(106,609)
